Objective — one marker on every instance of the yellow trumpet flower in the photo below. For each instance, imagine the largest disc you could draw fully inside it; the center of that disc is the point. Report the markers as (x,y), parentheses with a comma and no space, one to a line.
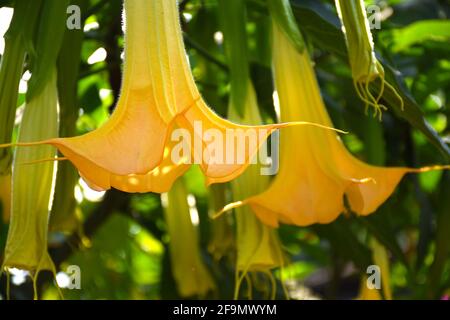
(258,246)
(158,93)
(191,275)
(316,170)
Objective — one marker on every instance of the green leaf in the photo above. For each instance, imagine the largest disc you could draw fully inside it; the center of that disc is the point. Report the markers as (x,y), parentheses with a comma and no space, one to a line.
(437,30)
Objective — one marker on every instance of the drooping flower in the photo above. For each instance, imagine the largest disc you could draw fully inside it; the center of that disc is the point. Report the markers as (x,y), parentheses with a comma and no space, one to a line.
(258,246)
(190,273)
(156,86)
(158,93)
(32,186)
(316,170)
(364,64)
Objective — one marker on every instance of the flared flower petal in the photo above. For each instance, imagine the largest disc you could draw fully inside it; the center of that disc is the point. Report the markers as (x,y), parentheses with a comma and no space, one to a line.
(158,94)
(158,180)
(157,85)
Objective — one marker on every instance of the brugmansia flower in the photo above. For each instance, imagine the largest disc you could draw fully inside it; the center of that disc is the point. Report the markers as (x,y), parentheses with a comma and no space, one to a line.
(316,170)
(158,93)
(26,246)
(364,65)
(257,245)
(191,275)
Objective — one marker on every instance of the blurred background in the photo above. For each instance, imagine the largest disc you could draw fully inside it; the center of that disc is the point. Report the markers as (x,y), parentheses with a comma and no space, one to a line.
(121,241)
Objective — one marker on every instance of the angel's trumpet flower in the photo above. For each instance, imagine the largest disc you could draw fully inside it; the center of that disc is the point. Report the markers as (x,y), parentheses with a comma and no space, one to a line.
(157,85)
(258,247)
(158,92)
(32,186)
(364,64)
(190,273)
(316,170)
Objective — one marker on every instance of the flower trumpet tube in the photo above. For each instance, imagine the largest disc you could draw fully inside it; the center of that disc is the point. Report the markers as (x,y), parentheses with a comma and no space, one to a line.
(364,64)
(191,275)
(32,186)
(158,93)
(156,86)
(316,170)
(158,180)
